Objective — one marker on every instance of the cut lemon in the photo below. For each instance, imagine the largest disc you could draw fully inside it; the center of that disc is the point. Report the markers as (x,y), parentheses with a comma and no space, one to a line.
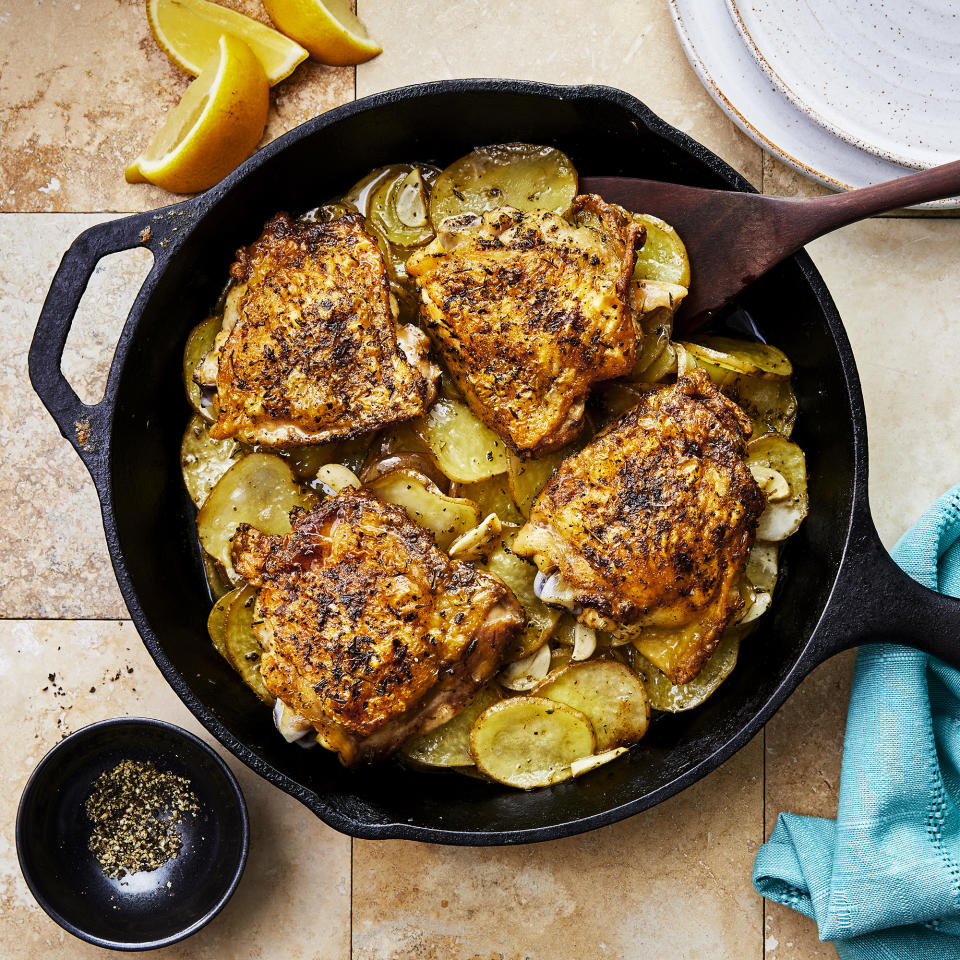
(327,28)
(188,31)
(215,127)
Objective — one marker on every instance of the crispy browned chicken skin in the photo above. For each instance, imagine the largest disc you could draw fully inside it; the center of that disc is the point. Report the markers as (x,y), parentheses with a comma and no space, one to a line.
(651,523)
(529,310)
(309,350)
(370,631)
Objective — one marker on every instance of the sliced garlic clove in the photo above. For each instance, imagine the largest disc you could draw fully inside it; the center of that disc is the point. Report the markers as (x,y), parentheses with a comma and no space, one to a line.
(773,483)
(525,674)
(477,543)
(291,725)
(334,477)
(585,764)
(584,642)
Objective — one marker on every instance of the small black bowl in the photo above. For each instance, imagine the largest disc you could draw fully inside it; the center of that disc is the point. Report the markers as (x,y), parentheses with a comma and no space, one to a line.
(141,911)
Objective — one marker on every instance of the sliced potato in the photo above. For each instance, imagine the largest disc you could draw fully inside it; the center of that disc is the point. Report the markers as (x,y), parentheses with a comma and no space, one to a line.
(217,621)
(772,405)
(612,399)
(525,674)
(491,496)
(580,767)
(696,356)
(243,649)
(608,693)
(663,255)
(664,366)
(217,580)
(657,326)
(749,357)
(530,742)
(449,744)
(199,344)
(517,175)
(560,656)
(260,490)
(674,698)
(519,575)
(761,568)
(466,448)
(677,651)
(528,477)
(445,517)
(203,460)
(782,517)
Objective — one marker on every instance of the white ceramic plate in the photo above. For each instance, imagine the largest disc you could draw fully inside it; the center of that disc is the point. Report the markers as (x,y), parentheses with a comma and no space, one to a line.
(884,76)
(736,81)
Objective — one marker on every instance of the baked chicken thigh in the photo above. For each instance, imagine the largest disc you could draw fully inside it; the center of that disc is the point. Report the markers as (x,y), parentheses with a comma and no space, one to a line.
(309,350)
(646,531)
(528,310)
(369,631)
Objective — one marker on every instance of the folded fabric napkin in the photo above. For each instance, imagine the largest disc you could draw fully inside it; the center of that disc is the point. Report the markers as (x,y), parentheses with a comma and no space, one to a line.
(883,880)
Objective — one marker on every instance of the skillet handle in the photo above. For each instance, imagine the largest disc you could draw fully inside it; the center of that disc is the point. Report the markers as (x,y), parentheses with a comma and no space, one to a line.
(86,425)
(874,601)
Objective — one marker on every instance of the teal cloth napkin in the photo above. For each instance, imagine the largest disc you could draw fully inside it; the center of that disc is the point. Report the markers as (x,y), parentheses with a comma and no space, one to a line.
(883,880)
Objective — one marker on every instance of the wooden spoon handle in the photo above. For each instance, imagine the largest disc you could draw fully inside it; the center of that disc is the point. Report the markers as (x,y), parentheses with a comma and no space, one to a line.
(819,215)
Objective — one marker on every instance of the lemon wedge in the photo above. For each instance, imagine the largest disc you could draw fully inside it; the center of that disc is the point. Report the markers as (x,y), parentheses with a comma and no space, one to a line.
(327,28)
(216,125)
(188,31)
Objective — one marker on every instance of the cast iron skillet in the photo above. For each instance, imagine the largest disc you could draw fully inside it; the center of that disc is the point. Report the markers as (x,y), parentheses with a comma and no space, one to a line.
(838,586)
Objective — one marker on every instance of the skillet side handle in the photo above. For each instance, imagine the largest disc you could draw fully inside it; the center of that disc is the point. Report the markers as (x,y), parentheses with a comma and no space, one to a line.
(874,601)
(84,425)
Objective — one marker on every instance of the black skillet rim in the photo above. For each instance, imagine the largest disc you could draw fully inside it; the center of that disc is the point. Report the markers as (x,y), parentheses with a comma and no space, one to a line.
(72,742)
(195,209)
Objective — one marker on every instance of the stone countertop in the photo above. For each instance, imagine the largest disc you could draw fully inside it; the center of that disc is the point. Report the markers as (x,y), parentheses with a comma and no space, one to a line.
(82,86)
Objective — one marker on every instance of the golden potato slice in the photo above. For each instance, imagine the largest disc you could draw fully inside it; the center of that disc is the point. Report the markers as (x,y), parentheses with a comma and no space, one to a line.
(259,489)
(748,357)
(657,326)
(491,496)
(449,744)
(612,399)
(466,448)
(519,574)
(445,517)
(203,460)
(770,404)
(217,580)
(670,697)
(199,344)
(663,255)
(528,477)
(530,742)
(517,175)
(663,367)
(782,517)
(608,693)
(217,621)
(243,649)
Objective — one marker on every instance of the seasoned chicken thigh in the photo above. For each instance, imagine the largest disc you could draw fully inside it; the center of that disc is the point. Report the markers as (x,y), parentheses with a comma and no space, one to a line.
(370,631)
(309,350)
(528,310)
(646,531)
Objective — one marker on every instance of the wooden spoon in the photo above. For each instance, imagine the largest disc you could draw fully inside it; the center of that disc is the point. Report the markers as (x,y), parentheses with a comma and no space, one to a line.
(733,238)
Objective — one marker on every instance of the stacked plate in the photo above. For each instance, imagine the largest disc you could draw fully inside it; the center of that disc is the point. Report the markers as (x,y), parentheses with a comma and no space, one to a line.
(849,93)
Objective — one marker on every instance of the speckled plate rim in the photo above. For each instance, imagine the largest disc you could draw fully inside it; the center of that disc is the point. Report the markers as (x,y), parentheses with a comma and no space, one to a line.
(755,88)
(809,110)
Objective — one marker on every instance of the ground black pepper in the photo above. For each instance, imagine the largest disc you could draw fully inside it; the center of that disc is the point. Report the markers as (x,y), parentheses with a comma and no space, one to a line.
(137,811)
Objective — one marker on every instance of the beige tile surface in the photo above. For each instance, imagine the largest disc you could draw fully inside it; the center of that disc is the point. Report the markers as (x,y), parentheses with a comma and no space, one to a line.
(629,44)
(56,677)
(83,86)
(54,562)
(671,882)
